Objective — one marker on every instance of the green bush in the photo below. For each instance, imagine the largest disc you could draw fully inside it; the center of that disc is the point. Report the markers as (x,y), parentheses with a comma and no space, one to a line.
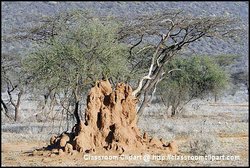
(82,51)
(197,77)
(79,50)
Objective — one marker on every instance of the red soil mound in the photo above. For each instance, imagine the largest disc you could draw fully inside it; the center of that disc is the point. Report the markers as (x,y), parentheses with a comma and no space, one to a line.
(110,123)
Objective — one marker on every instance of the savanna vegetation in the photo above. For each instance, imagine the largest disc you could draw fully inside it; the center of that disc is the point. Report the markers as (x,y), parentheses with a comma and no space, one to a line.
(89,83)
(73,50)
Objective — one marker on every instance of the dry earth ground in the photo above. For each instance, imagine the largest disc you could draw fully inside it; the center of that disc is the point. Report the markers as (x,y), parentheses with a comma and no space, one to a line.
(230,129)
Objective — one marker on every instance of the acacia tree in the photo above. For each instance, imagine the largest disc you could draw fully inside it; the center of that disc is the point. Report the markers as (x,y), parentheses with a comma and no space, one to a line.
(11,81)
(170,33)
(198,76)
(73,52)
(86,51)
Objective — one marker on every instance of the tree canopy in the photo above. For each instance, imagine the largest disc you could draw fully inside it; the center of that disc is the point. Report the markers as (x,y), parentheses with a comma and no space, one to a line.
(196,77)
(75,49)
(88,51)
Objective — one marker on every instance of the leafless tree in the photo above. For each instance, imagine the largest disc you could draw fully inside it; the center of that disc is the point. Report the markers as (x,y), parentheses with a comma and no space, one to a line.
(171,32)
(11,79)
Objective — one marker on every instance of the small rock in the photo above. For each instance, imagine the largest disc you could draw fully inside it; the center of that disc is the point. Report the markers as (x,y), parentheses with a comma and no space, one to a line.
(34,152)
(68,148)
(53,140)
(52,155)
(54,151)
(61,153)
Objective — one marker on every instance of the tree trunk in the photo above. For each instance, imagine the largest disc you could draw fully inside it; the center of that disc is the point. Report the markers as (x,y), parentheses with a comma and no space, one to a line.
(215,98)
(17,114)
(46,97)
(147,87)
(76,112)
(17,117)
(67,120)
(144,104)
(17,104)
(4,108)
(173,112)
(77,100)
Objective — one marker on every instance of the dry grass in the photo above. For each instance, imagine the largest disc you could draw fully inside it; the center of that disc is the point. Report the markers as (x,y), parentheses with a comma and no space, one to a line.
(208,130)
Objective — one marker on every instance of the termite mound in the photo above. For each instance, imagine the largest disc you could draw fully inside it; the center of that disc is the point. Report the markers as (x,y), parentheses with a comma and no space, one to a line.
(110,123)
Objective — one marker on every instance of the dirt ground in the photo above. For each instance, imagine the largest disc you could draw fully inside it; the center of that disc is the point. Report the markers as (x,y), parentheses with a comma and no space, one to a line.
(20,154)
(230,128)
